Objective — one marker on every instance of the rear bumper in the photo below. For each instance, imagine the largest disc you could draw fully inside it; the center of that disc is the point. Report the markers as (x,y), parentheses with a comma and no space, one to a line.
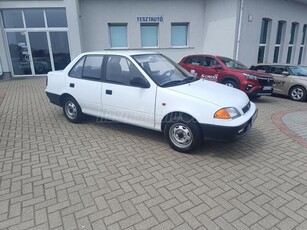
(54,98)
(213,132)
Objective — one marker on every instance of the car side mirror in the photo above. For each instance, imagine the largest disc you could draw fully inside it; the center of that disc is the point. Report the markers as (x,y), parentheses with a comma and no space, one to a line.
(286,73)
(139,82)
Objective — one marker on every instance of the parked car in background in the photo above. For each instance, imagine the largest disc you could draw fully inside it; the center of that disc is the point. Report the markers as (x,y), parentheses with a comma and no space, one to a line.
(229,72)
(151,91)
(289,80)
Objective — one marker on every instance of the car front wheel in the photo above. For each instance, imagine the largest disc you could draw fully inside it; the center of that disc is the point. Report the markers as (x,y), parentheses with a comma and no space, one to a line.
(230,83)
(297,93)
(72,110)
(183,133)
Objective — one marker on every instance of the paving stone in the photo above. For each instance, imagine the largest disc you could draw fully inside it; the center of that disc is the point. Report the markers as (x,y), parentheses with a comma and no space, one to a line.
(108,175)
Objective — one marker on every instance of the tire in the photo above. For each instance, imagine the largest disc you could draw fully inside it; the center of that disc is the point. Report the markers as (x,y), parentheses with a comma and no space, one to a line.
(297,93)
(72,110)
(183,133)
(231,83)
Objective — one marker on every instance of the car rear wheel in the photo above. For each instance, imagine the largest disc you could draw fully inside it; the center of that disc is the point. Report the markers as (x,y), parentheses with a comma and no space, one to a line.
(297,93)
(231,83)
(72,110)
(183,133)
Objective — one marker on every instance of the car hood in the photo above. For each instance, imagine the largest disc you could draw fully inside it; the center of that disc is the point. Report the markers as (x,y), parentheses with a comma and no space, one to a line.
(252,72)
(212,92)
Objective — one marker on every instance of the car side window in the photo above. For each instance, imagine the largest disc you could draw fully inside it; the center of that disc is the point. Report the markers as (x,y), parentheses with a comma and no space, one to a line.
(121,70)
(209,62)
(92,67)
(196,61)
(77,69)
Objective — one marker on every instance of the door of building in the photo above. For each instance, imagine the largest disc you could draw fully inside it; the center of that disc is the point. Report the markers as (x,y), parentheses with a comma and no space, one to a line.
(37,40)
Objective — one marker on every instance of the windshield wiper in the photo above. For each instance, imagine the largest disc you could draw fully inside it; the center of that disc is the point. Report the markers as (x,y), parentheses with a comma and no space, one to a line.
(180,82)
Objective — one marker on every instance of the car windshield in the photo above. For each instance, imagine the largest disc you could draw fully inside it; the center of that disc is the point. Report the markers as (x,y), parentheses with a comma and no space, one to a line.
(298,70)
(163,71)
(233,64)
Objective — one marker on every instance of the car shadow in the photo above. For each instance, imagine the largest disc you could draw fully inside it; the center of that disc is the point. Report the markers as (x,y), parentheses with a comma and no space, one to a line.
(244,147)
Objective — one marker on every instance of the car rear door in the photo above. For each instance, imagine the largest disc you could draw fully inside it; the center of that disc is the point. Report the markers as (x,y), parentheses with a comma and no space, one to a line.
(85,82)
(121,101)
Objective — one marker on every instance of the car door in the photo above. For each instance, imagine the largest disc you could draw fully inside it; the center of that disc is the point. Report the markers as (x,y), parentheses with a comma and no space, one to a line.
(194,64)
(208,72)
(281,80)
(85,82)
(122,101)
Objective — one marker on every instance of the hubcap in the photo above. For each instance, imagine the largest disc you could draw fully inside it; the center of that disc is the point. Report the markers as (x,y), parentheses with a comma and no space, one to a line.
(71,110)
(297,93)
(181,135)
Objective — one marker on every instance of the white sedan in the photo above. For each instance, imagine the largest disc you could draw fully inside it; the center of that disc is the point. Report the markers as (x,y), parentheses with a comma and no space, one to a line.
(149,90)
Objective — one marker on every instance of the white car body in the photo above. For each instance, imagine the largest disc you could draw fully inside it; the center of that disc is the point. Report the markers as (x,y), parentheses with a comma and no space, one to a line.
(150,106)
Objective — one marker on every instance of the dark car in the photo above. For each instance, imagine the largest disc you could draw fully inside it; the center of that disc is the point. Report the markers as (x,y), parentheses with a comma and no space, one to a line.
(229,72)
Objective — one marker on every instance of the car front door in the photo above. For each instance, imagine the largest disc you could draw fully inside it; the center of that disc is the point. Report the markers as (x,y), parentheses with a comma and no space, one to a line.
(281,80)
(123,101)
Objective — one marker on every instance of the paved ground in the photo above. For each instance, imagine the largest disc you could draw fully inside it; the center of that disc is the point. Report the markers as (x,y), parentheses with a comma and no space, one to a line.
(58,175)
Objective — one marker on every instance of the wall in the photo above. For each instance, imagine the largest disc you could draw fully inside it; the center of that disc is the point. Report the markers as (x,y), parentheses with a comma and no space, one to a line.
(220,27)
(288,11)
(96,14)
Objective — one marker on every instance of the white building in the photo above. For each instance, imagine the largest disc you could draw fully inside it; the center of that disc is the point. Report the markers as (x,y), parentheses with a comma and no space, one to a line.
(39,36)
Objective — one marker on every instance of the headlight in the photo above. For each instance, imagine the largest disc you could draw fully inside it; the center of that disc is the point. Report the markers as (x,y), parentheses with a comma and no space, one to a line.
(227,113)
(250,76)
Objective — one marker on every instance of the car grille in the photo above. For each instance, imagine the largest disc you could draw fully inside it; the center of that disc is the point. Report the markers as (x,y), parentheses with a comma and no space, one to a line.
(246,108)
(267,81)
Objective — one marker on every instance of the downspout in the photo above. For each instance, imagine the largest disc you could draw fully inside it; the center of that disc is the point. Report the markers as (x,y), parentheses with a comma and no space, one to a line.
(239,29)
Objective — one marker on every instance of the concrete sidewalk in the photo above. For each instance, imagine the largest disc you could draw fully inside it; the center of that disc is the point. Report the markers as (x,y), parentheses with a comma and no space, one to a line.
(94,175)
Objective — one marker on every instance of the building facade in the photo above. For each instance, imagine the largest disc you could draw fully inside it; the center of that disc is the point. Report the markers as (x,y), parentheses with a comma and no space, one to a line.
(39,36)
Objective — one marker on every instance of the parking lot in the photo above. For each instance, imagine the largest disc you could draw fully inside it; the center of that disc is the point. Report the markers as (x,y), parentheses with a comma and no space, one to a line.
(106,175)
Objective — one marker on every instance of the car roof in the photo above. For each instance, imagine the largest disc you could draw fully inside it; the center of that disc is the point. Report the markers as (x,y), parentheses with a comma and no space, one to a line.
(273,64)
(120,52)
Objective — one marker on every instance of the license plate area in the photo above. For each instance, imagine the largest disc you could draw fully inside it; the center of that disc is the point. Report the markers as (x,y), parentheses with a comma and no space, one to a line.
(267,87)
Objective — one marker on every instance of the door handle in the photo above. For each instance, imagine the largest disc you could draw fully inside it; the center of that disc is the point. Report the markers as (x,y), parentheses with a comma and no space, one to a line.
(72,85)
(109,92)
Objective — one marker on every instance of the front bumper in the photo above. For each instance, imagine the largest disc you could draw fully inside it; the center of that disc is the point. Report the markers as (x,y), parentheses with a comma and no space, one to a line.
(222,133)
(263,91)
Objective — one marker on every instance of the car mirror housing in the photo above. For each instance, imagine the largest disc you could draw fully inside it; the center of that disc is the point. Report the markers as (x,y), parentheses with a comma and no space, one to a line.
(286,73)
(139,82)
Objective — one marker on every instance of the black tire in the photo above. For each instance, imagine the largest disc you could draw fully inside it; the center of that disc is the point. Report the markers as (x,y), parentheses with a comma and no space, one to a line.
(231,83)
(72,110)
(183,133)
(297,93)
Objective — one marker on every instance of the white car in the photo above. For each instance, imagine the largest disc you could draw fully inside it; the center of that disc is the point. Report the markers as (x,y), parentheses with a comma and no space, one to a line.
(149,90)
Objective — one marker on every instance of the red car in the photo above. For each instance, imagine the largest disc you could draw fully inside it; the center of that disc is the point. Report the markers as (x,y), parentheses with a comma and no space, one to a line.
(229,72)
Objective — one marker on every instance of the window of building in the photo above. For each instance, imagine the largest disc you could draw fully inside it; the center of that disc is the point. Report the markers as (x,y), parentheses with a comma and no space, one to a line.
(56,17)
(279,36)
(149,35)
(34,18)
(263,40)
(291,42)
(179,34)
(43,37)
(300,56)
(12,19)
(118,35)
